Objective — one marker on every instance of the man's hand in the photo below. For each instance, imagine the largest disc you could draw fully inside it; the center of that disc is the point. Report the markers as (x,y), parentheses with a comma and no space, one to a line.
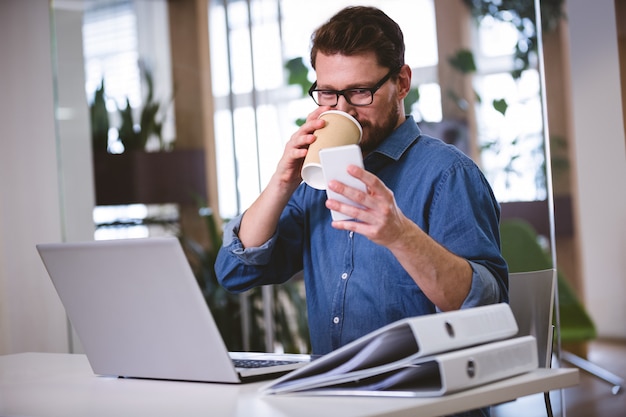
(379,219)
(290,164)
(444,277)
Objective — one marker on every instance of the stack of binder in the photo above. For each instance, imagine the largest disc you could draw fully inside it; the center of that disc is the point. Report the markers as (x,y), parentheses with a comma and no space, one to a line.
(421,356)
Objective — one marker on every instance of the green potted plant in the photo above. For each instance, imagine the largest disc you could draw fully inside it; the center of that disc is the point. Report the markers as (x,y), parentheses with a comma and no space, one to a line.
(136,175)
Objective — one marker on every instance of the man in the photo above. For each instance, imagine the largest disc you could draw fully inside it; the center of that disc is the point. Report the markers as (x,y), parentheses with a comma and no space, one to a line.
(426,238)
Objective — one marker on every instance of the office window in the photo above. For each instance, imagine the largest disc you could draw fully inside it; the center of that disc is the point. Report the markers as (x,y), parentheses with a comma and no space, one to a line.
(111,54)
(511,142)
(120,39)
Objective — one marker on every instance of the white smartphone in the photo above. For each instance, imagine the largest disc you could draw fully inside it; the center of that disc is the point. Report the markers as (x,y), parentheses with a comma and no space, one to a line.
(335,163)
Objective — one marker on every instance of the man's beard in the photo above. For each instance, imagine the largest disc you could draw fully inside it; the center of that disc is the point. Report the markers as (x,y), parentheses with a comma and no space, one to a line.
(374,135)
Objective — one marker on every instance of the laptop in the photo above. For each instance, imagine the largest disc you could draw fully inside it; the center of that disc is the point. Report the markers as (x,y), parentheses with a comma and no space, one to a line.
(139,313)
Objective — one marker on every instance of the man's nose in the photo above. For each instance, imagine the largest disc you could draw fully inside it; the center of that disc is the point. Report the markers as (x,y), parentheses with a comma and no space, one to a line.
(343,105)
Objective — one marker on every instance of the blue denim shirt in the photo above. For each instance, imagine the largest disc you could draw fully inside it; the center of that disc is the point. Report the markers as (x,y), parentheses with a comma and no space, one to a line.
(354,286)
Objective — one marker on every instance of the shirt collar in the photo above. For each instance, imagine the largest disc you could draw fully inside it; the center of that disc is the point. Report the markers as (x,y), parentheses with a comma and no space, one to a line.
(398,142)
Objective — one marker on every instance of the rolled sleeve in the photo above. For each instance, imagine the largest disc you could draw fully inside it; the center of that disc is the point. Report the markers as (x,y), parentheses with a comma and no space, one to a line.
(259,255)
(484,289)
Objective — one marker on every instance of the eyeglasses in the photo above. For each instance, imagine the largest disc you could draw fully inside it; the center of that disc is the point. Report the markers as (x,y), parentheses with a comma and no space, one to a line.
(360,96)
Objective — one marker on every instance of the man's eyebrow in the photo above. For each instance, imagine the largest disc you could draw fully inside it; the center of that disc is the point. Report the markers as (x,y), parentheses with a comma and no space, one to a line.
(348,87)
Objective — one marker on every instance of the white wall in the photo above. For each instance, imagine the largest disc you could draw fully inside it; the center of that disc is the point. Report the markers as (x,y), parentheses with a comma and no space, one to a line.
(600,159)
(46,186)
(31,317)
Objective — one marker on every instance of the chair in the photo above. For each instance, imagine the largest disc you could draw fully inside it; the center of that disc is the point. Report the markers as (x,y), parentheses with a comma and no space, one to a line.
(531,297)
(522,251)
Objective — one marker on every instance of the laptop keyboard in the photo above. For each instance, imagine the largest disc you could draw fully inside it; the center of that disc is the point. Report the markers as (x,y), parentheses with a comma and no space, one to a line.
(258,363)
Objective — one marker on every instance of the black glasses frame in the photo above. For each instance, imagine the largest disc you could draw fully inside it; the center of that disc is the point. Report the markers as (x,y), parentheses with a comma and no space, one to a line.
(345,92)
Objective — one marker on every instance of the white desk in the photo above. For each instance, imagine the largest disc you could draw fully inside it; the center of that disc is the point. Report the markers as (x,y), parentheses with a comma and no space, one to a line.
(48,384)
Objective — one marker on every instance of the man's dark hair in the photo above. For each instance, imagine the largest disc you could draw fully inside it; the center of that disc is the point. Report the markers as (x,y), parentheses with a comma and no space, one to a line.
(357,30)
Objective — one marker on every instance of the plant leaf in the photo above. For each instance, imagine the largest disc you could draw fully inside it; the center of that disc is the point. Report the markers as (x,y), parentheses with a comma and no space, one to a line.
(463,61)
(500,105)
(298,74)
(411,98)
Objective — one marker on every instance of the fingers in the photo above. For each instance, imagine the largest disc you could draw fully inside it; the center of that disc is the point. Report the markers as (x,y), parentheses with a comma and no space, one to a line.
(362,199)
(376,211)
(373,184)
(295,150)
(304,136)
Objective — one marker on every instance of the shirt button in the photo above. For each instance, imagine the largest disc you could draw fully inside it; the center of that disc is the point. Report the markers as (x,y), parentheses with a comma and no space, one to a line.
(344,275)
(336,320)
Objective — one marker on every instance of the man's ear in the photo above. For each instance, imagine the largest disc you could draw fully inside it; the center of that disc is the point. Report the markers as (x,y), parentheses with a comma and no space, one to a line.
(404,81)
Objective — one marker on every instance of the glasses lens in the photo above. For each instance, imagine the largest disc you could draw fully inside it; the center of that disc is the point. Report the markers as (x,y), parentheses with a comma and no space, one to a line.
(325,98)
(359,97)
